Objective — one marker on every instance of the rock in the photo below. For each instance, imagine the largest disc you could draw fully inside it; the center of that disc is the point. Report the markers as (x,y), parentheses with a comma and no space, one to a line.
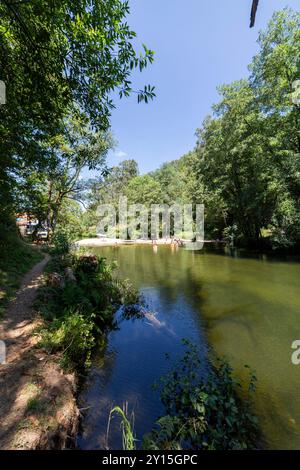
(55,280)
(70,275)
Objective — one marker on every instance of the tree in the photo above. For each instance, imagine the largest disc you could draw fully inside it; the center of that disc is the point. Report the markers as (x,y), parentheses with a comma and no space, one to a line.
(274,72)
(112,185)
(234,163)
(144,190)
(52,55)
(70,220)
(249,162)
(79,147)
(69,51)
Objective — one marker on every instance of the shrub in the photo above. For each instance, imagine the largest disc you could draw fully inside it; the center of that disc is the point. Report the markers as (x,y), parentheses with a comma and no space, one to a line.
(73,336)
(79,306)
(203,409)
(61,243)
(128,295)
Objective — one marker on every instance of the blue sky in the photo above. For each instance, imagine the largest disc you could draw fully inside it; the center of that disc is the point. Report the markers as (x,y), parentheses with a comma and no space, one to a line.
(198,44)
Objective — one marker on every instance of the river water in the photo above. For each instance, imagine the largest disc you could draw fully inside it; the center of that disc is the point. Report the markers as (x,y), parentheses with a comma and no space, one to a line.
(247,308)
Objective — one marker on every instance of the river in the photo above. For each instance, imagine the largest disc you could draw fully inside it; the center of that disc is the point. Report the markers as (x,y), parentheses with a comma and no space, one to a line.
(246,307)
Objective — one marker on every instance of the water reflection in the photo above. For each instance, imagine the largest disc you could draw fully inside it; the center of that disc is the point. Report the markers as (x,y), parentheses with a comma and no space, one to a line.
(136,356)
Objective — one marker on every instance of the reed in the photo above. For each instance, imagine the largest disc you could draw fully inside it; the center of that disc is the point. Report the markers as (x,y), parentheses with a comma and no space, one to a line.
(128,438)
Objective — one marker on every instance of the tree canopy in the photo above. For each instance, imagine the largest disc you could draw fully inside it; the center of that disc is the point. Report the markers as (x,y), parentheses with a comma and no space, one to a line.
(57,57)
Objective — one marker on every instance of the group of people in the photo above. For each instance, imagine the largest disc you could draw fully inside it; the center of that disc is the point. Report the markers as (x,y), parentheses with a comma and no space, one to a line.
(173,242)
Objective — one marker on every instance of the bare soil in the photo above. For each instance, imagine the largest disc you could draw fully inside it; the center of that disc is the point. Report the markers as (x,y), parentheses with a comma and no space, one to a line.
(37,399)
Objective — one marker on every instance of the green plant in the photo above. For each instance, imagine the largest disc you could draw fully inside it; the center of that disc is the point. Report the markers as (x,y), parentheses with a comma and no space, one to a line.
(127,428)
(128,295)
(16,258)
(73,336)
(79,302)
(203,409)
(33,405)
(61,243)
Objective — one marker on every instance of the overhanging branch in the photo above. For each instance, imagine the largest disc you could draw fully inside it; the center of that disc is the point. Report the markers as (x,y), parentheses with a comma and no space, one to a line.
(253,12)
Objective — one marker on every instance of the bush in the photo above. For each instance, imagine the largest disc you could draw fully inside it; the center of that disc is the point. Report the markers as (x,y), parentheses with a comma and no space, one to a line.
(61,244)
(74,336)
(203,409)
(128,295)
(80,295)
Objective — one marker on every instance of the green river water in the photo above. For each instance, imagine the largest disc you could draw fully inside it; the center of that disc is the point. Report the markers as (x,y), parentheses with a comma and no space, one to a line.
(247,308)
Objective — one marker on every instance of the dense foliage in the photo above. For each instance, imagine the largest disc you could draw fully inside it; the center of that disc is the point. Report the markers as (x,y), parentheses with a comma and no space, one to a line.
(78,303)
(248,154)
(63,63)
(245,167)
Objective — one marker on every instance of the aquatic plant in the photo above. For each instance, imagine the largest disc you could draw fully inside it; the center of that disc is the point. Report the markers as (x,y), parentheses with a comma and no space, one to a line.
(128,438)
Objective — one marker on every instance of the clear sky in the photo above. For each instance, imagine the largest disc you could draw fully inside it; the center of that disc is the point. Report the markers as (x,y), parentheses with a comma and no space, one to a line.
(198,44)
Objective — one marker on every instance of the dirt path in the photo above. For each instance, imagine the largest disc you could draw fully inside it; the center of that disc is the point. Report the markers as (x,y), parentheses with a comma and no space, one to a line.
(37,405)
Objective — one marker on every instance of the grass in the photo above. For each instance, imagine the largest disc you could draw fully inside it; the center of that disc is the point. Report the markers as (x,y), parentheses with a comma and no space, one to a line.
(126,426)
(33,405)
(16,259)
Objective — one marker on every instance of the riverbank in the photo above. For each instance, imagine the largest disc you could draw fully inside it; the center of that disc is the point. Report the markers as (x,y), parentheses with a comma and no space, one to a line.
(102,242)
(37,399)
